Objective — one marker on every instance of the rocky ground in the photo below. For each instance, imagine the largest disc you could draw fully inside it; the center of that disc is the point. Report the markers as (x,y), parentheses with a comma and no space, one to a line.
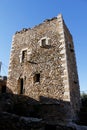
(13,116)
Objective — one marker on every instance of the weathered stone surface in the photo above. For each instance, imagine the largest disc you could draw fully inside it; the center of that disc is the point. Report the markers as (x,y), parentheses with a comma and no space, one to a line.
(50,110)
(21,112)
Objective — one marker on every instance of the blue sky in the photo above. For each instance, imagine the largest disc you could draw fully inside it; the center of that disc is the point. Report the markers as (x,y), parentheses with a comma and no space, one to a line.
(18,14)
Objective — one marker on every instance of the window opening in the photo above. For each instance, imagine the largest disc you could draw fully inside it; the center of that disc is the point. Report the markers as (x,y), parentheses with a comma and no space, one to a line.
(24,55)
(75,82)
(37,78)
(72,50)
(70,47)
(43,42)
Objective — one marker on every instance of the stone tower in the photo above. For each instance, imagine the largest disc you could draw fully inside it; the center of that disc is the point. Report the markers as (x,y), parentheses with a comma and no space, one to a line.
(43,63)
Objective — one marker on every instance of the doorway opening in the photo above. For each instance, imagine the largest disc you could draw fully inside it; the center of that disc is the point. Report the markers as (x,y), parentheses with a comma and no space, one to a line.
(21,86)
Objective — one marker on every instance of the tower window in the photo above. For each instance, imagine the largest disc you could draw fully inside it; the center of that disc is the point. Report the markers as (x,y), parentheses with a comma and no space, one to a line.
(24,55)
(43,42)
(37,78)
(75,82)
(70,47)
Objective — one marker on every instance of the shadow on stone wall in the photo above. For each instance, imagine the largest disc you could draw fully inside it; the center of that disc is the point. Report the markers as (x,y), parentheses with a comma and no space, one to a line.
(48,109)
(24,113)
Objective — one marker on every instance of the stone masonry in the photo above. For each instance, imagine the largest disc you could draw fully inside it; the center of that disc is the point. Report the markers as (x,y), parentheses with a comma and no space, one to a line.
(43,63)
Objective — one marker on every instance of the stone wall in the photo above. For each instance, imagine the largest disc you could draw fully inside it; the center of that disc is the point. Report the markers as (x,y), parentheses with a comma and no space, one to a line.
(45,61)
(45,109)
(72,71)
(21,112)
(41,63)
